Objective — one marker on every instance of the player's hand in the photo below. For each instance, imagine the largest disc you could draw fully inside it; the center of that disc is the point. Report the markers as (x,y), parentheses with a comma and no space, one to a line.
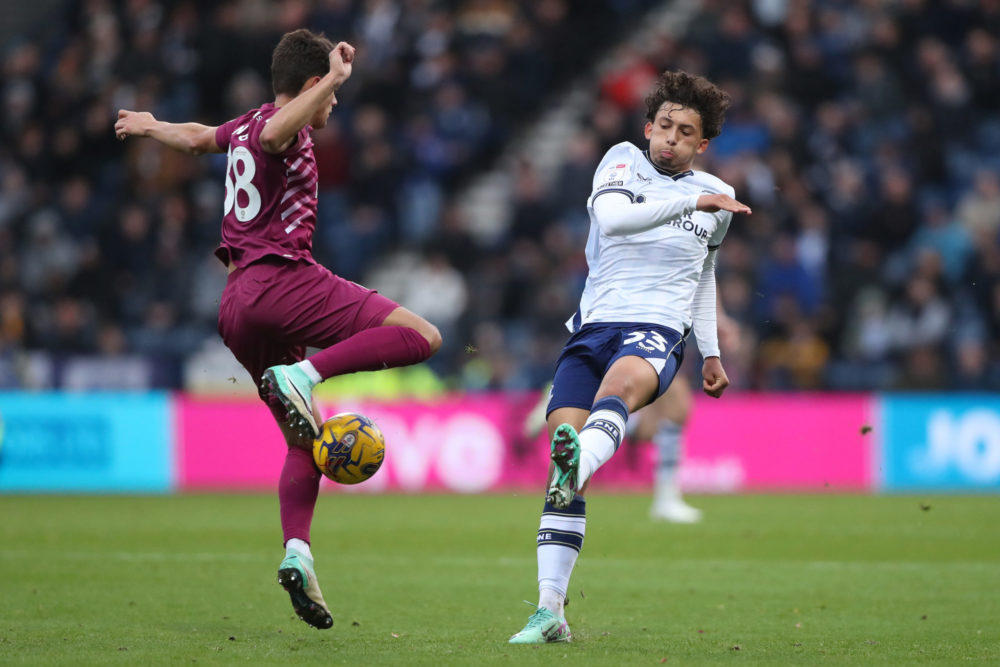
(714,378)
(342,61)
(133,123)
(721,202)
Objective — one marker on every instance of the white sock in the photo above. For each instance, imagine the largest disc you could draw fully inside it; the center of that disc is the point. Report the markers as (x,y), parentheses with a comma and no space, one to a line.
(310,371)
(600,436)
(666,490)
(560,538)
(668,453)
(552,600)
(297,546)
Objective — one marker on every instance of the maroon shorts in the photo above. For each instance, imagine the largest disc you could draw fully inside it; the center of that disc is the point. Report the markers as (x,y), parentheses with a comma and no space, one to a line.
(273,309)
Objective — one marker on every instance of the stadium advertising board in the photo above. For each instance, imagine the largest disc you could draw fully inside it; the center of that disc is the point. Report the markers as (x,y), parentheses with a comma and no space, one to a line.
(95,443)
(477,443)
(779,442)
(463,444)
(940,443)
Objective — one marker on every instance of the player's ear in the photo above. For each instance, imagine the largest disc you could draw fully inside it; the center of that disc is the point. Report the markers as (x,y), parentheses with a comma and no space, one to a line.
(648,129)
(702,146)
(310,82)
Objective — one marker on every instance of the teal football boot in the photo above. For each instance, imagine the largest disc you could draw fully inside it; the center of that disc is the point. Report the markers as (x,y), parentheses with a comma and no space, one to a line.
(294,389)
(565,455)
(543,627)
(296,575)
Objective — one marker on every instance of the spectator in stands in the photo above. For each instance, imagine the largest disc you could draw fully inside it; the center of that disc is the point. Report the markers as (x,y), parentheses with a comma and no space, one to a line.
(979,208)
(856,105)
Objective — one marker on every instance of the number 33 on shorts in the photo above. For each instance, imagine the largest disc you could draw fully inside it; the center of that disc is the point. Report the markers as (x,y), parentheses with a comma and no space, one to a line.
(646,340)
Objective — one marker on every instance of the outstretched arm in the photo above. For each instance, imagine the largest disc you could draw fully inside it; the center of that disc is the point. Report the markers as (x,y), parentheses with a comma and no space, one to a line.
(192,138)
(617,214)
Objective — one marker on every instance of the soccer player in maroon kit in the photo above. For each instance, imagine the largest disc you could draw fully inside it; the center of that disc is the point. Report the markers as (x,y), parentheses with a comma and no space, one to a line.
(277,299)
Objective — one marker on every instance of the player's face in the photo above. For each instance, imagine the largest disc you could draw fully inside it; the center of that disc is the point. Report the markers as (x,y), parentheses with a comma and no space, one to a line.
(675,137)
(323,113)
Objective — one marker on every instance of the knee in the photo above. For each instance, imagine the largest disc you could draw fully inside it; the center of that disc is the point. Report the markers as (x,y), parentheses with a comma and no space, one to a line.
(677,412)
(432,336)
(624,387)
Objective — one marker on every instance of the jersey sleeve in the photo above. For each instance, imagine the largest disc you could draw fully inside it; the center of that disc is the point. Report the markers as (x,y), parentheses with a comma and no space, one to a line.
(618,215)
(621,212)
(224,132)
(704,321)
(257,125)
(724,217)
(715,240)
(615,173)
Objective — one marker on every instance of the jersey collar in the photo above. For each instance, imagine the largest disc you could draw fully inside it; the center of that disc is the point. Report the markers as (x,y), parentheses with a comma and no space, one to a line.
(676,176)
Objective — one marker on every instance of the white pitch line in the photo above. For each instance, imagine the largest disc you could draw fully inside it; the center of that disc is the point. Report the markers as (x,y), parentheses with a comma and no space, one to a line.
(8,554)
(14,554)
(507,561)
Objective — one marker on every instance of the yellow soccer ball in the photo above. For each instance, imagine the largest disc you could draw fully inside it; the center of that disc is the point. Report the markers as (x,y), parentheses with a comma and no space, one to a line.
(350,448)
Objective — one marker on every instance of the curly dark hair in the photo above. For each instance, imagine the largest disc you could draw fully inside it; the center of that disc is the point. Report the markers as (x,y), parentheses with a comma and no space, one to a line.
(299,56)
(694,92)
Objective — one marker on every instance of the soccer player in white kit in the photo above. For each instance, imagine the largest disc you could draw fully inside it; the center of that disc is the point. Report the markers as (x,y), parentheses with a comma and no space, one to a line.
(655,228)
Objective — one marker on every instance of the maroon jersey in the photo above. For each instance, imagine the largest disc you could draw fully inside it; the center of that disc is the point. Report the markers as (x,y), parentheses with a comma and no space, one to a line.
(270,198)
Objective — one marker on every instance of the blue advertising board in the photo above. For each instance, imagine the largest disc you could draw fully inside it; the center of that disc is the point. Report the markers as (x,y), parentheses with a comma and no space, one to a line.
(113,442)
(939,442)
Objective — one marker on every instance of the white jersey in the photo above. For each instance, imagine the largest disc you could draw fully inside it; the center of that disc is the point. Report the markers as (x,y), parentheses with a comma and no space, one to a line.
(649,276)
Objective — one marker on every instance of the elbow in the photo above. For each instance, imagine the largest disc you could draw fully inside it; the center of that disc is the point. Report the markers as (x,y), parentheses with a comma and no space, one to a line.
(612,227)
(270,141)
(195,145)
(617,230)
(268,144)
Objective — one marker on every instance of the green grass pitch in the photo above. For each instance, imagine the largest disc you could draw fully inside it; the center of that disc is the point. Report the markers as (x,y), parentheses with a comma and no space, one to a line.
(430,580)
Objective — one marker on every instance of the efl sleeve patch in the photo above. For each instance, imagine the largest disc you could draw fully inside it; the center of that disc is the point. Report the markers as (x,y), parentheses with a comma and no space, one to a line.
(613,175)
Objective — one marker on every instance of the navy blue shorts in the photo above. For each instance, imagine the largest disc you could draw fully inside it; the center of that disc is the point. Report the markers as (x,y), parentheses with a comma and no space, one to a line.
(590,352)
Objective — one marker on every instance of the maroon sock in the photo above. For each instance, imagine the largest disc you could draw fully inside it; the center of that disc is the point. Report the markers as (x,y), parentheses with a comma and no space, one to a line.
(372,350)
(298,488)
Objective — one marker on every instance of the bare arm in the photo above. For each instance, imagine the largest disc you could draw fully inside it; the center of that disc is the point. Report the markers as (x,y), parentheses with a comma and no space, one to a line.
(295,114)
(192,138)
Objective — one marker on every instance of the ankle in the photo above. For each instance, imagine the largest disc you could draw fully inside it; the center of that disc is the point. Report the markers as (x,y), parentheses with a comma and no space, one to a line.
(307,367)
(552,600)
(298,547)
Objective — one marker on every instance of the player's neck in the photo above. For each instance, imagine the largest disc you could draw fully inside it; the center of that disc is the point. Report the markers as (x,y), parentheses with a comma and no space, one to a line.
(282,100)
(687,171)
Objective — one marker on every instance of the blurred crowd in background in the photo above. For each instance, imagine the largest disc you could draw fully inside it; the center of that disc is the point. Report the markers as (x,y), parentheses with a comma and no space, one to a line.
(864,135)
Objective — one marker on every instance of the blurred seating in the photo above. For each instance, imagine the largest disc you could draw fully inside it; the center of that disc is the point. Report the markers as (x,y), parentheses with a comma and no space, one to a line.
(864,135)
